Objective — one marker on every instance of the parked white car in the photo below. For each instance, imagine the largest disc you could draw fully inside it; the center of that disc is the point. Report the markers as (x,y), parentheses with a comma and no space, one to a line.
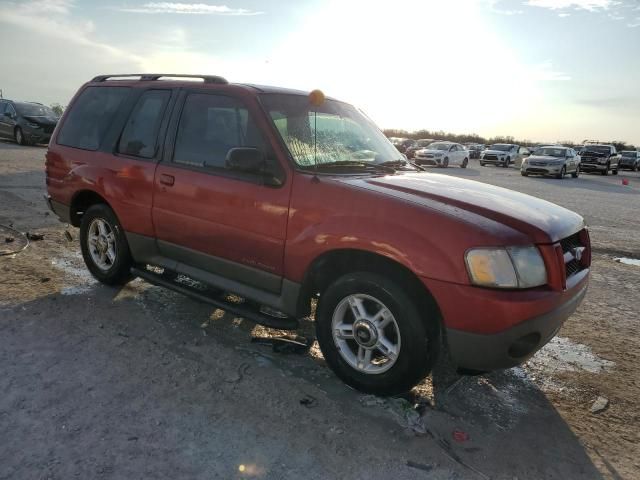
(552,160)
(502,154)
(443,154)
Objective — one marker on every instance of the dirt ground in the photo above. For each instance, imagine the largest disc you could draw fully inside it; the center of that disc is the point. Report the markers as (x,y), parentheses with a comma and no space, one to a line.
(141,382)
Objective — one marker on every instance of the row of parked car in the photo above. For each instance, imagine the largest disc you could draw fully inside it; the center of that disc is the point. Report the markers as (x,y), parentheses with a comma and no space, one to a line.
(554,160)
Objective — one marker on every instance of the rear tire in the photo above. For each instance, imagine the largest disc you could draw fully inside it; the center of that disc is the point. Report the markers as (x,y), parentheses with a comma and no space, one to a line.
(614,172)
(465,162)
(415,353)
(104,246)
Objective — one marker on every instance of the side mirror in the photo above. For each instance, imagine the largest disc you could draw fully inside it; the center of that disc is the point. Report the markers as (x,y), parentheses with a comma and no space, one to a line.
(245,159)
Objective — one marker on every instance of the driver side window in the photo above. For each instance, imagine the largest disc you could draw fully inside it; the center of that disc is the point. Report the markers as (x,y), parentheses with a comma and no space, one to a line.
(210,126)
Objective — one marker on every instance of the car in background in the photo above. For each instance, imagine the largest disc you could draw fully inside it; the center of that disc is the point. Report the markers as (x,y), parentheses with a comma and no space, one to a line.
(502,154)
(402,144)
(599,158)
(629,160)
(27,123)
(552,160)
(420,144)
(443,154)
(475,150)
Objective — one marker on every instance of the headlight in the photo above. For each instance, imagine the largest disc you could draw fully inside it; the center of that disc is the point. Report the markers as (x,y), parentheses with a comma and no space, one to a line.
(602,160)
(33,125)
(511,267)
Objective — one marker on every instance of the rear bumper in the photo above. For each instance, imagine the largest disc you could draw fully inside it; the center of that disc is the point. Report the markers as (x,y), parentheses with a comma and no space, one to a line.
(513,346)
(62,211)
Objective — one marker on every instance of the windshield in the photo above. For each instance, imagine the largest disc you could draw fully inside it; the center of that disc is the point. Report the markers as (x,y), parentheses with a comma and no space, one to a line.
(334,132)
(34,110)
(629,154)
(551,152)
(596,148)
(423,143)
(440,146)
(500,146)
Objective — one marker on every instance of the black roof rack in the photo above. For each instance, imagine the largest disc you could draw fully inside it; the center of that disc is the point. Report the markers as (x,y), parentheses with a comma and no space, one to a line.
(158,76)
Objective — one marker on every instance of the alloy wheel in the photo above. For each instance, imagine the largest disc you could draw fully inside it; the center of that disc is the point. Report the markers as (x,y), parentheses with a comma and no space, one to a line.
(366,334)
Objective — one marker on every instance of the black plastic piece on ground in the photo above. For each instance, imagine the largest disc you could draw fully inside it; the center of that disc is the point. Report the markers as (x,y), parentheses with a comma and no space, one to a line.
(245,310)
(298,345)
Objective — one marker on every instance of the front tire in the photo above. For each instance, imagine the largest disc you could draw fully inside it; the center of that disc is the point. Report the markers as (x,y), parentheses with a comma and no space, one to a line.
(104,246)
(465,162)
(506,162)
(576,174)
(19,137)
(445,163)
(372,334)
(563,172)
(606,170)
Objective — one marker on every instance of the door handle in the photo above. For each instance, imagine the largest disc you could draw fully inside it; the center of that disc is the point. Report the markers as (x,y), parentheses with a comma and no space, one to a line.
(167,179)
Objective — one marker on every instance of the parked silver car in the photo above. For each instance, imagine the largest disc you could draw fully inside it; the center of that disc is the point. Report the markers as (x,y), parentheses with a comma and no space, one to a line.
(552,160)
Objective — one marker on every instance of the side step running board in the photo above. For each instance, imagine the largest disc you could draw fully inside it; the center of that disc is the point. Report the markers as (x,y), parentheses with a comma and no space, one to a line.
(244,310)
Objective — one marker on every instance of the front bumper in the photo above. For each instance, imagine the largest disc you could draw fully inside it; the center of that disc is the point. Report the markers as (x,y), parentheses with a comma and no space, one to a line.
(62,211)
(512,346)
(589,167)
(497,161)
(491,329)
(427,161)
(542,170)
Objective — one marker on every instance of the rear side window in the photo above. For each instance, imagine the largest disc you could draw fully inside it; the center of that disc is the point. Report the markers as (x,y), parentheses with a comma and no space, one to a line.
(3,105)
(140,134)
(211,125)
(90,117)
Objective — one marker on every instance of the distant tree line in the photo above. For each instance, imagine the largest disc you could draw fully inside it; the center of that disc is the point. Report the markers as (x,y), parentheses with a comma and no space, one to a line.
(475,138)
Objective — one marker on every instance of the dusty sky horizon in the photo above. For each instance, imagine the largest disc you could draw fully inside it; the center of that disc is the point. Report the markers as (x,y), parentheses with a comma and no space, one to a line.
(543,70)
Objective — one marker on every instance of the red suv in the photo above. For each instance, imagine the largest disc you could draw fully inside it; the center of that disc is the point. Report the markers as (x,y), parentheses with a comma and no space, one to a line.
(290,200)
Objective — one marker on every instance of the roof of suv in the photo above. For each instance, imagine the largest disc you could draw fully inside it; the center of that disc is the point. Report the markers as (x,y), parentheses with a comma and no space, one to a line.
(188,80)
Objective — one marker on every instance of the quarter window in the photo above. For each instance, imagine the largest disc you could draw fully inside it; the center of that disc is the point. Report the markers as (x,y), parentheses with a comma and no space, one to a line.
(140,134)
(211,125)
(3,105)
(90,117)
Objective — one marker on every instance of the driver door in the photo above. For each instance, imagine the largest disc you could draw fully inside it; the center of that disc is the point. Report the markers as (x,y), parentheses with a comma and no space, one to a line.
(206,215)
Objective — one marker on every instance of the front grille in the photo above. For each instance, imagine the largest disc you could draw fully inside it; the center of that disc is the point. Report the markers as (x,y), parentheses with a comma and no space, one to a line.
(537,170)
(490,157)
(577,253)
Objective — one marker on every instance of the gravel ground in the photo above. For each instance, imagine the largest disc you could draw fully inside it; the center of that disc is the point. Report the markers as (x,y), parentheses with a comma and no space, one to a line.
(140,382)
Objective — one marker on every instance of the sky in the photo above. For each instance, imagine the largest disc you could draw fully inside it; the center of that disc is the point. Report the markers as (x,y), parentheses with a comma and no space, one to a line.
(543,70)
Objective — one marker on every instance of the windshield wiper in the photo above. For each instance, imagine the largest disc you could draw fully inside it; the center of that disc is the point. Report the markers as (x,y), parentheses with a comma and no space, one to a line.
(402,163)
(378,167)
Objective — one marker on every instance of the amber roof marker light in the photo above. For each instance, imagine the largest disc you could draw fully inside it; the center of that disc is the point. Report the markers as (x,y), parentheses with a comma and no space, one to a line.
(316,98)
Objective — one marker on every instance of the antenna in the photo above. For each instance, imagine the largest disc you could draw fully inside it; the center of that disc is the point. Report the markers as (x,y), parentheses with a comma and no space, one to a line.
(1,93)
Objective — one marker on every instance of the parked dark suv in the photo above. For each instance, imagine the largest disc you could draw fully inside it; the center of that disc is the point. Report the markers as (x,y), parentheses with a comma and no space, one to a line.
(599,158)
(290,201)
(27,123)
(630,160)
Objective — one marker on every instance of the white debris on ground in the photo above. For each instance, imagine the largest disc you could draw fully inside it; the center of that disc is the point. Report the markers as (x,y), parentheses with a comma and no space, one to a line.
(627,261)
(79,278)
(561,354)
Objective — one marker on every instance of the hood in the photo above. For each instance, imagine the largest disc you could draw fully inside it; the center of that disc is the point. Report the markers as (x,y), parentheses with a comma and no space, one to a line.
(593,153)
(545,158)
(542,221)
(41,119)
(433,151)
(496,152)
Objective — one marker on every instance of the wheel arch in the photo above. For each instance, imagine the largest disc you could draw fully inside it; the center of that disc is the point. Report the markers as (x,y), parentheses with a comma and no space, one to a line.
(331,265)
(81,201)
